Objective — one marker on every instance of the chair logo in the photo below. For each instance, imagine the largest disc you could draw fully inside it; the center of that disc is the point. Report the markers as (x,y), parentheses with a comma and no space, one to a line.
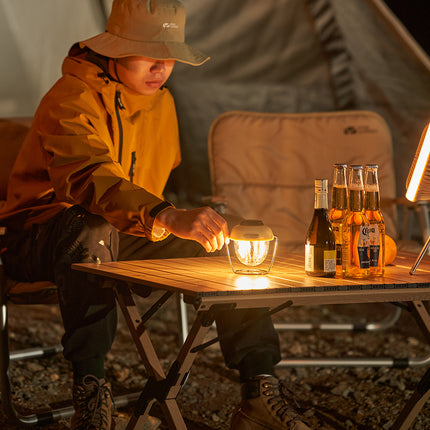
(170,25)
(360,129)
(350,130)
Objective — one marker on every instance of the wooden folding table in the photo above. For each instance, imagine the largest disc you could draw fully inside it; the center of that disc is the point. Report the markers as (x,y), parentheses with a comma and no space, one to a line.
(208,284)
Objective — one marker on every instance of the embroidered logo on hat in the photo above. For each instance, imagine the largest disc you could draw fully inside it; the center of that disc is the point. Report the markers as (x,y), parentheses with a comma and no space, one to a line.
(170,25)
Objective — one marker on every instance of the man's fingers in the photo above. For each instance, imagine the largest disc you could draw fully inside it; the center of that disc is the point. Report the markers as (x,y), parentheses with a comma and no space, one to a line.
(203,225)
(217,236)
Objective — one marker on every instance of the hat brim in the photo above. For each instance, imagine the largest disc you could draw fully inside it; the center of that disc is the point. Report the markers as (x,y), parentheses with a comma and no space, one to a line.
(113,46)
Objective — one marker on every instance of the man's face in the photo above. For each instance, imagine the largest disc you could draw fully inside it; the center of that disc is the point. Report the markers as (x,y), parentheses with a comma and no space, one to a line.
(144,75)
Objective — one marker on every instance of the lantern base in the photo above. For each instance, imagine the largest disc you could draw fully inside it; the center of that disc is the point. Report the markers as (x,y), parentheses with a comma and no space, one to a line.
(241,268)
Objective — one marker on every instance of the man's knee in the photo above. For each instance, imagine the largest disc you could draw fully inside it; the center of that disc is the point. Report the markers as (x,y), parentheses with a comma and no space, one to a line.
(87,237)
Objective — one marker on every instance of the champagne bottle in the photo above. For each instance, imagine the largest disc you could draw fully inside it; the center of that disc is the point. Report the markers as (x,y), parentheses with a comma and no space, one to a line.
(376,220)
(355,232)
(320,245)
(339,206)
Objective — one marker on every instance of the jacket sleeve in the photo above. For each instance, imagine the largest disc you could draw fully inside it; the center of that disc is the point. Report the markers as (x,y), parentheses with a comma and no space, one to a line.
(81,165)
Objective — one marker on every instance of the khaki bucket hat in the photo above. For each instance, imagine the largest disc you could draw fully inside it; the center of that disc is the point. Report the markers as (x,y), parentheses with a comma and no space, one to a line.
(148,28)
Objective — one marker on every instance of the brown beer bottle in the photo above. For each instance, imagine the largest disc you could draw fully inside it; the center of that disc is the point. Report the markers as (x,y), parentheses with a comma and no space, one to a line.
(339,206)
(376,220)
(355,232)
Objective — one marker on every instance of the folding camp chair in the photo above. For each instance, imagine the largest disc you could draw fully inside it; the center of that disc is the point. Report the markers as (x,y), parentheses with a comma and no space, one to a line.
(263,166)
(12,133)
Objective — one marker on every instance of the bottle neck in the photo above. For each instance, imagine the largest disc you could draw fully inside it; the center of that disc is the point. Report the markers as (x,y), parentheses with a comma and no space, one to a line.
(339,198)
(356,200)
(321,201)
(371,201)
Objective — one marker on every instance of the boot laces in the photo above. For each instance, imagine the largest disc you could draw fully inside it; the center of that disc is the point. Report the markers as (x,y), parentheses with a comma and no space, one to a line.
(93,403)
(278,400)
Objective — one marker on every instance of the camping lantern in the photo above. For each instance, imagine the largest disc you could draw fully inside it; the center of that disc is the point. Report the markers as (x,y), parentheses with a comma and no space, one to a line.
(252,247)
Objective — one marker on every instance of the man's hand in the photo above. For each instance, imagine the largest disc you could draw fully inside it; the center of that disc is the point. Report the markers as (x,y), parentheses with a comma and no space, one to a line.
(203,225)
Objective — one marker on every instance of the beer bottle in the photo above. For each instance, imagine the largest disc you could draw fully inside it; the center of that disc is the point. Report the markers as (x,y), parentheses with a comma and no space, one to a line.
(355,232)
(320,244)
(339,206)
(376,220)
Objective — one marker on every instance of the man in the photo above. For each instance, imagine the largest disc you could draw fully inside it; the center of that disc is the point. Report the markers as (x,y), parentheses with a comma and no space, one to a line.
(88,186)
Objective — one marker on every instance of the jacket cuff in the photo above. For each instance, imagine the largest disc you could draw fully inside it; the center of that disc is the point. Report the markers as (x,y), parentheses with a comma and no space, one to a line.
(159,208)
(156,234)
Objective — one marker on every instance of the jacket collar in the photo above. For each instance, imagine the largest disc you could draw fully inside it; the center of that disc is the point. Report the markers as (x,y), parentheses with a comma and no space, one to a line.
(92,69)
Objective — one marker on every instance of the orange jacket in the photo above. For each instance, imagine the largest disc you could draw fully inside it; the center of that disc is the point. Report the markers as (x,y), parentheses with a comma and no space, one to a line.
(95,143)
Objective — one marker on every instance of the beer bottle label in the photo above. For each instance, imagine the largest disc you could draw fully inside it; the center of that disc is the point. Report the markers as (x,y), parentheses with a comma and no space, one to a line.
(363,247)
(374,245)
(338,254)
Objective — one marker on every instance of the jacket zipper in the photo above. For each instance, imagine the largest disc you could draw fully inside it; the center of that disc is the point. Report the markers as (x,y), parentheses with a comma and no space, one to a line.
(119,106)
(133,163)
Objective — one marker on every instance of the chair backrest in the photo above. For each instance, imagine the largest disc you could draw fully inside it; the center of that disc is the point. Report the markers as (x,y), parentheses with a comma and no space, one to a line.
(264,164)
(12,134)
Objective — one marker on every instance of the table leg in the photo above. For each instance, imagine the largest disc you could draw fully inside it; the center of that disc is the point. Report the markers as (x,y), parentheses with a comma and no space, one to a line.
(422,392)
(422,317)
(138,332)
(414,404)
(160,387)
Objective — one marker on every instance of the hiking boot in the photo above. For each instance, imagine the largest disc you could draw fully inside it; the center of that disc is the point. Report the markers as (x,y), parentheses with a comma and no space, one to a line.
(92,401)
(264,406)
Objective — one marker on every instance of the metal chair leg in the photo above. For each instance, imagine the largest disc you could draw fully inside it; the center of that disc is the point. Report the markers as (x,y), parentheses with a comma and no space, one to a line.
(182,317)
(41,418)
(385,323)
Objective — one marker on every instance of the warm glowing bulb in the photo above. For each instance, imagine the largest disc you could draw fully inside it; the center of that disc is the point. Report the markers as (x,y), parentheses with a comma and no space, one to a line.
(251,253)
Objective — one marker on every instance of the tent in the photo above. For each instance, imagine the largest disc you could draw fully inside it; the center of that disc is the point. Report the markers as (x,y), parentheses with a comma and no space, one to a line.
(269,56)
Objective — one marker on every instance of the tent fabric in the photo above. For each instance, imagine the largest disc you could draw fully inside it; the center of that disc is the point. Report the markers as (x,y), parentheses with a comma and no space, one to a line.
(263,165)
(34,39)
(334,47)
(267,57)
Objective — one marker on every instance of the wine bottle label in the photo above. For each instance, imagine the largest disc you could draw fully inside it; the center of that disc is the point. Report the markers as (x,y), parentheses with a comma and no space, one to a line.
(309,258)
(330,261)
(374,245)
(363,247)
(327,263)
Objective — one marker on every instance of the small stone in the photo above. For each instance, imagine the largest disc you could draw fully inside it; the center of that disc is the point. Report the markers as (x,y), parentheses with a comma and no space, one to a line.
(215,418)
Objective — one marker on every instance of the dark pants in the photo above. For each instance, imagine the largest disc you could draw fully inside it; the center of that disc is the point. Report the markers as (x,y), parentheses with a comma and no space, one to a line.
(89,311)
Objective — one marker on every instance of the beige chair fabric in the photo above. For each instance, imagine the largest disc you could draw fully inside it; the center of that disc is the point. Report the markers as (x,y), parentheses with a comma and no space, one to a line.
(264,165)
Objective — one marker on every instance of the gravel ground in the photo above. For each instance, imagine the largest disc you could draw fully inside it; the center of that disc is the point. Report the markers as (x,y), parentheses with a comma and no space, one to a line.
(329,398)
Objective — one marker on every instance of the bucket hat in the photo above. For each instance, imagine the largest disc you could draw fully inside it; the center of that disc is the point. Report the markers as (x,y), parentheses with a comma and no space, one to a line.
(148,28)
